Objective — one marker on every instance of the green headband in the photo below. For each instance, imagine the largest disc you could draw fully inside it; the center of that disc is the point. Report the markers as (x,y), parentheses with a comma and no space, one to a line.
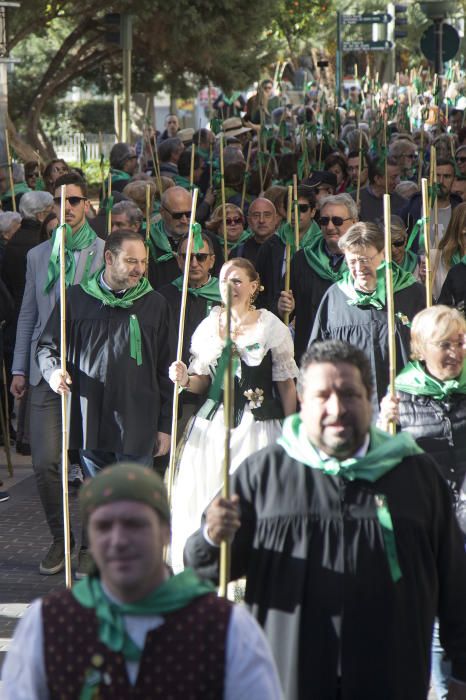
(125,481)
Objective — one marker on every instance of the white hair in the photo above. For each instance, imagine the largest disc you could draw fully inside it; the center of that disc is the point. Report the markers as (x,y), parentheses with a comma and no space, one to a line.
(31,203)
(7,219)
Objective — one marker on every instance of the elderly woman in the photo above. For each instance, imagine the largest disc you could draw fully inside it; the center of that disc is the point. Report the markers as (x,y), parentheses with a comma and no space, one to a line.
(430,403)
(235,223)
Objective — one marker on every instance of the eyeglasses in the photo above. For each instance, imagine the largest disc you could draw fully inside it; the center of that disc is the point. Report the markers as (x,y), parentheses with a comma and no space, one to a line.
(447,345)
(234,221)
(200,257)
(259,214)
(178,214)
(336,220)
(461,159)
(352,262)
(398,244)
(73,201)
(303,208)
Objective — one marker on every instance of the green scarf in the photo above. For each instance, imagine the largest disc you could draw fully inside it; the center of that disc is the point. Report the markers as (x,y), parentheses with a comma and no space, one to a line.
(377,298)
(93,287)
(285,232)
(456,258)
(414,379)
(409,262)
(209,291)
(80,240)
(247,233)
(463,260)
(318,259)
(119,175)
(385,452)
(174,593)
(182,181)
(159,237)
(19,188)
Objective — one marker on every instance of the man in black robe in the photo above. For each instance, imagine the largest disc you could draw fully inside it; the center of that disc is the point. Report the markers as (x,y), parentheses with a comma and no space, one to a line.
(119,349)
(349,544)
(355,308)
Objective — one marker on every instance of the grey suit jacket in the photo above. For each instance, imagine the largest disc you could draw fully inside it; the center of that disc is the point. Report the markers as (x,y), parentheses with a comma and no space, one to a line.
(36,306)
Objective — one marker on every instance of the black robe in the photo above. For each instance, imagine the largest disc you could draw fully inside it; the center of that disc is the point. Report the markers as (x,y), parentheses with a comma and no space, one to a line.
(248,249)
(454,288)
(116,405)
(319,582)
(270,265)
(367,328)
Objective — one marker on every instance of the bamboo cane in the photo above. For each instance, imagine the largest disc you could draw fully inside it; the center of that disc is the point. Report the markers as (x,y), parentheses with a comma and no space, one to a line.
(421,155)
(358,186)
(248,161)
(155,159)
(64,397)
(434,197)
(179,349)
(286,318)
(148,224)
(426,228)
(109,194)
(191,166)
(390,302)
(385,151)
(296,212)
(228,417)
(10,171)
(224,211)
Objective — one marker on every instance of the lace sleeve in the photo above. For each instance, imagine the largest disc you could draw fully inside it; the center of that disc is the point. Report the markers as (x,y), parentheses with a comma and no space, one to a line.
(206,345)
(280,342)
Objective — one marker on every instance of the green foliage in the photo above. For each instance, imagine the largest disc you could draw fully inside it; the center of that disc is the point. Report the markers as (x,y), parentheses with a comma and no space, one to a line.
(91,171)
(92,116)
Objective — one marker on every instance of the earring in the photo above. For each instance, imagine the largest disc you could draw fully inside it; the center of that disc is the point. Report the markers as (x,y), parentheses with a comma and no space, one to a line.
(252,299)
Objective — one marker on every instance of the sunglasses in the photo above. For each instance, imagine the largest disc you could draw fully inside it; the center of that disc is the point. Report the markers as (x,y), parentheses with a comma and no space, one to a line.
(460,159)
(178,214)
(200,257)
(234,221)
(303,208)
(398,244)
(336,220)
(74,201)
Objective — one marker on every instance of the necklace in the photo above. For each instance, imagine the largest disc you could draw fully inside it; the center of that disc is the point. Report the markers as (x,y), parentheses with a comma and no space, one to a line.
(236,328)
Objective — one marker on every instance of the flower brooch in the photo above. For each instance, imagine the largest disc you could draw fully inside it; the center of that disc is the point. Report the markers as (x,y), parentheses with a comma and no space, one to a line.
(255,397)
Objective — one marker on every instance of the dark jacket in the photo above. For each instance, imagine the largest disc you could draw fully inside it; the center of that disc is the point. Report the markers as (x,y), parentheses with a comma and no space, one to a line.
(270,264)
(412,212)
(454,288)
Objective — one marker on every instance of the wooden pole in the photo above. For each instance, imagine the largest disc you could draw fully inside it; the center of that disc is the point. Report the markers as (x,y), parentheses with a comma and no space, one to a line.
(155,159)
(179,349)
(390,303)
(64,396)
(421,155)
(296,212)
(358,186)
(10,171)
(385,150)
(109,194)
(248,161)
(148,224)
(286,318)
(224,211)
(228,417)
(191,166)
(433,196)
(426,228)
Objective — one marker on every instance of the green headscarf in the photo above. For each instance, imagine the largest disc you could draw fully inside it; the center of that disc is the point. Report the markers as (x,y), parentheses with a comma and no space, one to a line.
(317,258)
(83,238)
(93,287)
(414,379)
(377,298)
(173,594)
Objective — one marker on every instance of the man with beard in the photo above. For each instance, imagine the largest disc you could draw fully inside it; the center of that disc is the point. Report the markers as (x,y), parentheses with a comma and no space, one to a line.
(119,349)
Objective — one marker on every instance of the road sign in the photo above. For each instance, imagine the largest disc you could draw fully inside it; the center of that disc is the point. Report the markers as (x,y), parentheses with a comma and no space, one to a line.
(367,45)
(450,42)
(378,18)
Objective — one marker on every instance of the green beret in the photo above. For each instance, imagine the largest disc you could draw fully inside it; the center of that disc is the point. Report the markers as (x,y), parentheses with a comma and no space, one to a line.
(125,481)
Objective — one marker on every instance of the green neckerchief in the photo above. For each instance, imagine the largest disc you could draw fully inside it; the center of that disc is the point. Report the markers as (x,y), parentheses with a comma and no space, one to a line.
(377,298)
(247,233)
(83,238)
(159,237)
(93,287)
(318,259)
(173,594)
(182,181)
(463,260)
(414,379)
(385,452)
(285,232)
(209,291)
(456,258)
(409,262)
(19,188)
(118,175)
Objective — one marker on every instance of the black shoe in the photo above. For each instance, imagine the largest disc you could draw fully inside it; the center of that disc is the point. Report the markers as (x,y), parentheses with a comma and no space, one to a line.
(4,496)
(86,564)
(54,560)
(22,448)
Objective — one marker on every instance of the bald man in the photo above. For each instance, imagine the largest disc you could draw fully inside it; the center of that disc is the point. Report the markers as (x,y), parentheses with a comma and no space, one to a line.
(262,221)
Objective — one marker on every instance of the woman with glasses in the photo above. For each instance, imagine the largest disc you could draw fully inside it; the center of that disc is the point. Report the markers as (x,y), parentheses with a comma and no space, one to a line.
(402,256)
(451,249)
(234,219)
(430,404)
(264,393)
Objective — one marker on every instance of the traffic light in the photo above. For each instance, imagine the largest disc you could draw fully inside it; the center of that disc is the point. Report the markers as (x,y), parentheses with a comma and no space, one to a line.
(112,28)
(401,20)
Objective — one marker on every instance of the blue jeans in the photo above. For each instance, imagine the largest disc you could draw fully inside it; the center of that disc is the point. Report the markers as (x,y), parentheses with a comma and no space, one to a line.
(441,666)
(93,461)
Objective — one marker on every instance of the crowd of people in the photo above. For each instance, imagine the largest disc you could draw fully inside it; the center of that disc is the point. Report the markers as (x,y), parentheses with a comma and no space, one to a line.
(348,513)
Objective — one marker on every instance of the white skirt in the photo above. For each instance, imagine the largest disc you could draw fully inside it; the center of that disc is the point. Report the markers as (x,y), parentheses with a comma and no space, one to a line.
(200,468)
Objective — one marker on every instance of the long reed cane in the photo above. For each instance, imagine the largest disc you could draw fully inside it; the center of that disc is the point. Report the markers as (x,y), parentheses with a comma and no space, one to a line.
(10,170)
(358,186)
(426,229)
(224,211)
(286,318)
(109,195)
(296,212)
(148,223)
(390,302)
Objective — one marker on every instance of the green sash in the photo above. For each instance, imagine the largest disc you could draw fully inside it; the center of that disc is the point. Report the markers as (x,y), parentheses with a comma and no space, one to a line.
(93,287)
(83,238)
(414,379)
(317,259)
(173,594)
(377,298)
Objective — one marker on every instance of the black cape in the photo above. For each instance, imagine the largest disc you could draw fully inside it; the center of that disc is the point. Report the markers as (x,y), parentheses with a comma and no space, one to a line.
(319,583)
(116,405)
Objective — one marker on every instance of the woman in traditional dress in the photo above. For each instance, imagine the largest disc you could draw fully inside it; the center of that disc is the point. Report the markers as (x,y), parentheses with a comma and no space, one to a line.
(264,393)
(430,403)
